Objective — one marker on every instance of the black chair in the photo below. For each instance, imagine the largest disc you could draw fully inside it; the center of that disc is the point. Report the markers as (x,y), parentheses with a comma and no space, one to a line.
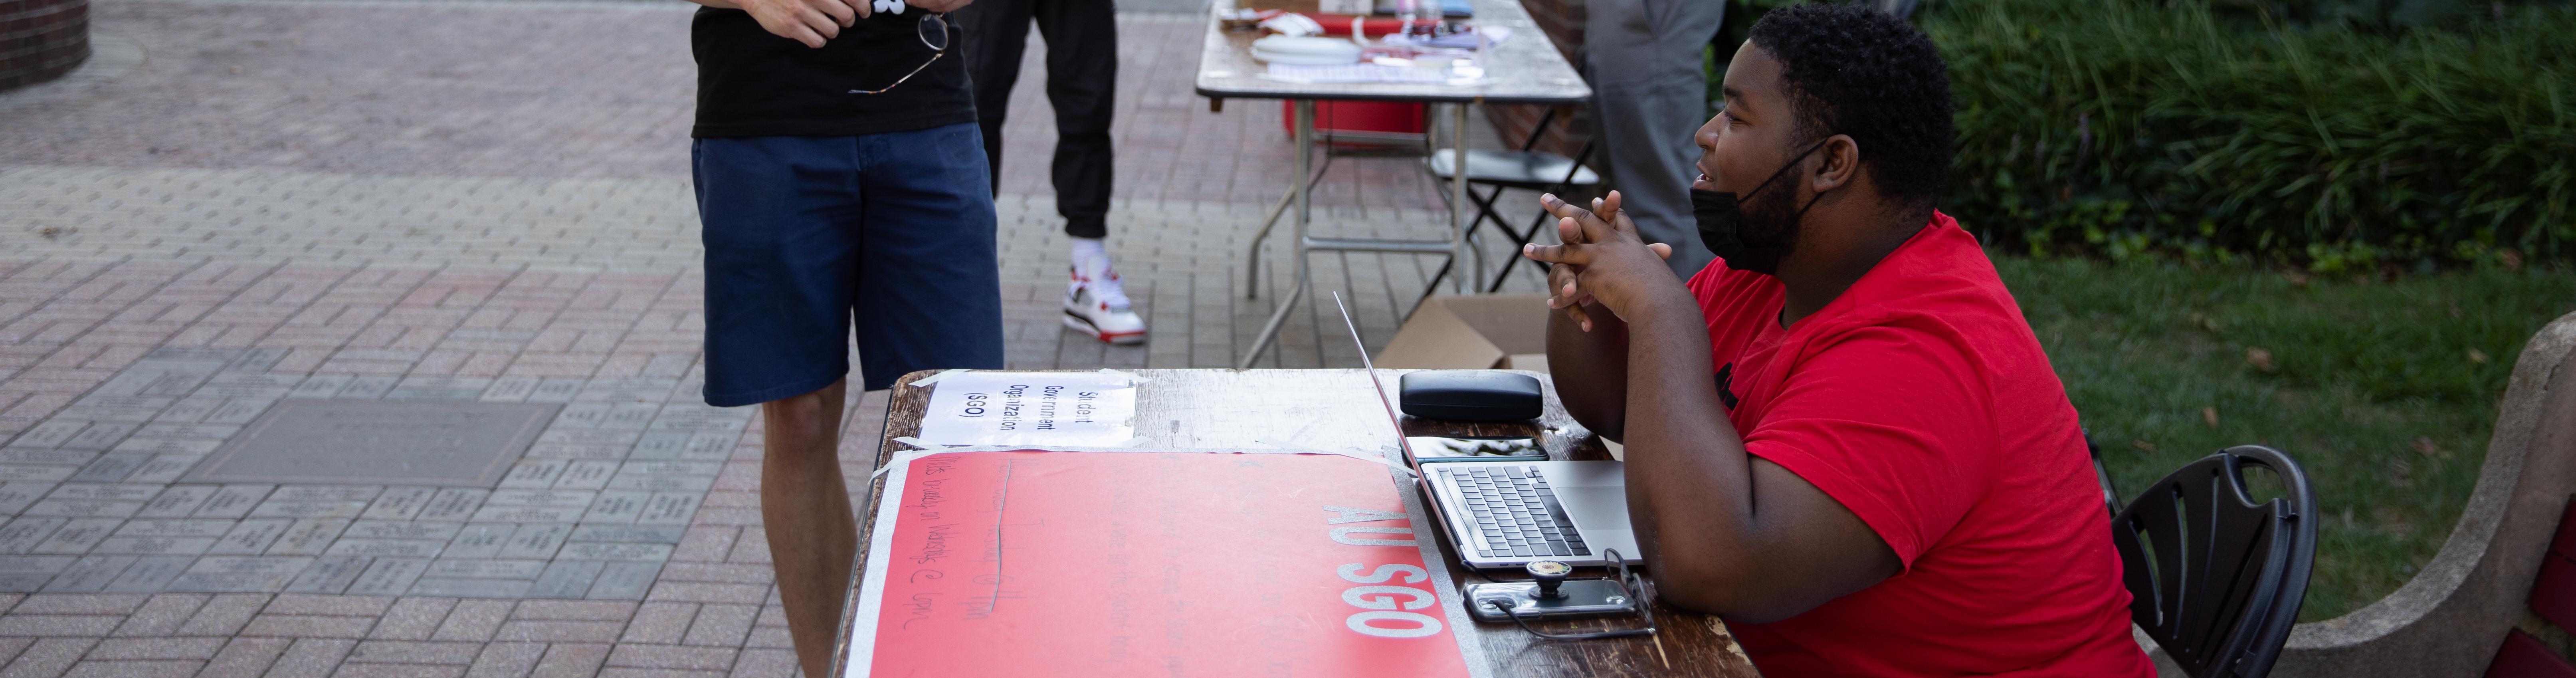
(1501,170)
(2216,578)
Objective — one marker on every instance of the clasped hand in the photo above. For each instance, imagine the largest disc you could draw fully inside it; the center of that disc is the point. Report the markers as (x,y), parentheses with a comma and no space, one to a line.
(814,21)
(1603,260)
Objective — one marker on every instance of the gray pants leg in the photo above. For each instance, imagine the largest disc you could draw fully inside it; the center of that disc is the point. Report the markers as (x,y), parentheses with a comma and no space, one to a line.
(1650,97)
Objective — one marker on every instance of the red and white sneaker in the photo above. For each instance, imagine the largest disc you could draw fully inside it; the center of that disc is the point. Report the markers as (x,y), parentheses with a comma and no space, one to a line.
(1097,305)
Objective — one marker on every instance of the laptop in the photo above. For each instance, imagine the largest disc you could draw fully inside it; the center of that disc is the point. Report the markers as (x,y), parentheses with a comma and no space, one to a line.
(1505,514)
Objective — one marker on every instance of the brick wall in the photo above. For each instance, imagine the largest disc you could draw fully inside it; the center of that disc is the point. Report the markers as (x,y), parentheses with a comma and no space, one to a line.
(41,40)
(1562,20)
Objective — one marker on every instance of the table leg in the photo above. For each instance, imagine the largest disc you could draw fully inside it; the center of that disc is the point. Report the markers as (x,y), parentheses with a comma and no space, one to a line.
(1252,266)
(1458,204)
(1305,136)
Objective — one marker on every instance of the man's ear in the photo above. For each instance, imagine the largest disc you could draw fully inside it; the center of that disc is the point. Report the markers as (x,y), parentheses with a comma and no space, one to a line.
(1841,163)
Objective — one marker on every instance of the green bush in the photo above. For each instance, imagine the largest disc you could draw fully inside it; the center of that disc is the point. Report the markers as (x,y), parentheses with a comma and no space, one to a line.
(2130,126)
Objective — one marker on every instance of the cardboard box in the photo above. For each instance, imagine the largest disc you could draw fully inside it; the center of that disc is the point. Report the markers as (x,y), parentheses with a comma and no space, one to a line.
(1487,331)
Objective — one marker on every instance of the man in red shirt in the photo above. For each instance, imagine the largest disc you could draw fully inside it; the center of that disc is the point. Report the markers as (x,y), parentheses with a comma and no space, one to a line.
(1842,437)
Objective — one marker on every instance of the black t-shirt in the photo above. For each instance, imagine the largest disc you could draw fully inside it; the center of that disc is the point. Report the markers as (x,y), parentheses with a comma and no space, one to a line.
(752,83)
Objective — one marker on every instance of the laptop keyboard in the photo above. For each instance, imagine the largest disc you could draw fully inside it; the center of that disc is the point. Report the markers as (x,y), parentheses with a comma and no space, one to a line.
(1516,510)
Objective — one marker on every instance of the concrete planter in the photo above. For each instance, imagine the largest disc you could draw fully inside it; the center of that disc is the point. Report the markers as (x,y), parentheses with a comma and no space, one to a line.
(41,40)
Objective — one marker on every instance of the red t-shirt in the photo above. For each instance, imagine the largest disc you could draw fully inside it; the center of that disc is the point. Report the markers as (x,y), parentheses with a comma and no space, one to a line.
(1920,400)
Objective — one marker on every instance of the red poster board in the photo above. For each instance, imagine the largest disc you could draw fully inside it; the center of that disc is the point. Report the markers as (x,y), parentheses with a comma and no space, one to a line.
(1137,563)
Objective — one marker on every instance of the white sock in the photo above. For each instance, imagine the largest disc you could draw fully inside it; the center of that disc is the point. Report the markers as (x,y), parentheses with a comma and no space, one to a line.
(1087,251)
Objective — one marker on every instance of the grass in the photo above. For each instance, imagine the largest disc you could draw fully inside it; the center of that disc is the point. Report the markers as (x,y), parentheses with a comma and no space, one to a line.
(2384,390)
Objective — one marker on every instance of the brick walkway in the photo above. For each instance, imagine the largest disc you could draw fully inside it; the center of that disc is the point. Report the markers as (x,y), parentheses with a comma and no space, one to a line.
(245,201)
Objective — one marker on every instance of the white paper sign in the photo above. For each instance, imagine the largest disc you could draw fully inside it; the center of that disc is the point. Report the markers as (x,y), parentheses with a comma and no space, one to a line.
(1030,408)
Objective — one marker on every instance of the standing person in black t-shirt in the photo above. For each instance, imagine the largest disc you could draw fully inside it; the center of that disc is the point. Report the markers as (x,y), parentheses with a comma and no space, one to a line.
(838,178)
(1082,74)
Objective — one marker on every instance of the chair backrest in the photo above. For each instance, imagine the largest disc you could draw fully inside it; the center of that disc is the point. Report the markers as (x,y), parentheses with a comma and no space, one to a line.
(2216,578)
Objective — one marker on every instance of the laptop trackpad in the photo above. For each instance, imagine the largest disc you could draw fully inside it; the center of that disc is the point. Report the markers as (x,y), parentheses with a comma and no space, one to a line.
(1595,508)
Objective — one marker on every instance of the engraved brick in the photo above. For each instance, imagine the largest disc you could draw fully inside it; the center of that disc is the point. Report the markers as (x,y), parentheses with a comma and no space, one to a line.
(308,508)
(536,541)
(583,415)
(163,468)
(586,475)
(617,506)
(389,576)
(141,445)
(486,569)
(470,588)
(625,580)
(308,537)
(566,579)
(186,431)
(329,574)
(400,503)
(209,528)
(368,387)
(326,492)
(555,390)
(616,551)
(453,504)
(509,389)
(179,501)
(251,537)
(233,501)
(52,433)
(570,451)
(47,457)
(669,508)
(533,473)
(541,498)
(90,574)
(250,565)
(479,540)
(589,436)
(83,508)
(320,386)
(23,574)
(404,548)
(107,468)
(189,410)
(526,514)
(711,446)
(150,574)
(259,360)
(664,446)
(78,535)
(650,483)
(402,529)
(238,410)
(105,492)
(99,436)
(154,546)
(22,535)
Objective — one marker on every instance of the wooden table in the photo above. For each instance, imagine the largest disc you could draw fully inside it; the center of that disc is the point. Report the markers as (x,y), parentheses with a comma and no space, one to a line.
(1525,69)
(1331,409)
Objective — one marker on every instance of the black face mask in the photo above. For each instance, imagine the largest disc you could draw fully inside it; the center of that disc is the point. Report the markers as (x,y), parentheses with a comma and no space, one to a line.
(1721,225)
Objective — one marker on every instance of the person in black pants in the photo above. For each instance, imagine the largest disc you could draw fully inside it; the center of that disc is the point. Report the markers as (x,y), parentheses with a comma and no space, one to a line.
(1082,73)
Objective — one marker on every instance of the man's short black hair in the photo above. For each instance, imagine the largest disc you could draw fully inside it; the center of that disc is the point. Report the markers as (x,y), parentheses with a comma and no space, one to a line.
(1849,69)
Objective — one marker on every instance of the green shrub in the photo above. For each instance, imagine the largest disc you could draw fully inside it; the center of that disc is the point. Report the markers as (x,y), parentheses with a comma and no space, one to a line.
(2130,126)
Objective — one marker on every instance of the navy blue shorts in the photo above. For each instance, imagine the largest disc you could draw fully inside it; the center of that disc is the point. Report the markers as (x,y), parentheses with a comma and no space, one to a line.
(806,234)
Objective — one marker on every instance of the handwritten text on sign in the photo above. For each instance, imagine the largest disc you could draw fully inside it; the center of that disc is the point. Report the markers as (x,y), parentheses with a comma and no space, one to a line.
(1136,563)
(1071,409)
